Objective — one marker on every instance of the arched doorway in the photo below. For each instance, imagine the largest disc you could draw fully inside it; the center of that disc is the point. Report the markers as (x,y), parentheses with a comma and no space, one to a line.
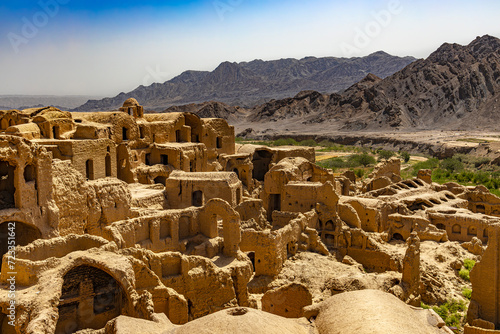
(16,234)
(90,298)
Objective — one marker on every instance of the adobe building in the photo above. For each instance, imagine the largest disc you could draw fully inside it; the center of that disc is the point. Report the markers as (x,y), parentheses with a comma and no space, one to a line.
(127,221)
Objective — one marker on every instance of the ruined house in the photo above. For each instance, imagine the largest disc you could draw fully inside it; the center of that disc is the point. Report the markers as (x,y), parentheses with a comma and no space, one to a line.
(124,220)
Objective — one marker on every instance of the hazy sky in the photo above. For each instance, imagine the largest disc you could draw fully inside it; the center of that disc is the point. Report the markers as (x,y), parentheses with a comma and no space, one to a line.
(64,47)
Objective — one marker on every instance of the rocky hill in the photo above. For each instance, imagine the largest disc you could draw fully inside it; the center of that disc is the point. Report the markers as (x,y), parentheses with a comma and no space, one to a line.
(456,87)
(250,83)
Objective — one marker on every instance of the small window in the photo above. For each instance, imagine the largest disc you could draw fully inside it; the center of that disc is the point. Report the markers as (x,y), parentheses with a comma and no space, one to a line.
(219,142)
(148,159)
(29,173)
(108,165)
(164,159)
(55,132)
(125,133)
(141,131)
(89,168)
(197,198)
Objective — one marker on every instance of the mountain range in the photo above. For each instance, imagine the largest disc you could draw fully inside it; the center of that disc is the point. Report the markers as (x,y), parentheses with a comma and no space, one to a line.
(247,84)
(456,87)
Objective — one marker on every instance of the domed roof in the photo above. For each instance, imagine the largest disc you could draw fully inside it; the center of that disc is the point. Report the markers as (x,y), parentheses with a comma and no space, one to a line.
(131,102)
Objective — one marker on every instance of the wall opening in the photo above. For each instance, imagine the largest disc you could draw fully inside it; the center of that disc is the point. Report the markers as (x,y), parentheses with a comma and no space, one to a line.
(124,133)
(164,159)
(24,234)
(178,136)
(219,142)
(108,165)
(274,205)
(89,169)
(261,160)
(7,188)
(480,208)
(472,230)
(55,132)
(441,226)
(237,172)
(29,173)
(191,166)
(238,196)
(90,298)
(197,198)
(5,328)
(148,159)
(195,138)
(329,226)
(398,236)
(160,180)
(131,111)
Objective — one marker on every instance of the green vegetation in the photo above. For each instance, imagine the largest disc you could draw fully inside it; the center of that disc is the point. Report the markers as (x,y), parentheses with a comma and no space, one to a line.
(385,155)
(465,271)
(452,312)
(469,264)
(464,274)
(352,161)
(467,293)
(405,156)
(461,168)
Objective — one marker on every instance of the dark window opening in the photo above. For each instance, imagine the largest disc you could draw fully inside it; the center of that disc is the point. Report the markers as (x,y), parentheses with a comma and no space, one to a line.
(160,180)
(148,159)
(7,188)
(397,236)
(178,136)
(141,131)
(25,234)
(164,159)
(219,142)
(441,226)
(89,169)
(238,196)
(55,132)
(196,138)
(124,133)
(191,166)
(274,205)
(261,160)
(197,198)
(29,173)
(108,165)
(480,208)
(237,172)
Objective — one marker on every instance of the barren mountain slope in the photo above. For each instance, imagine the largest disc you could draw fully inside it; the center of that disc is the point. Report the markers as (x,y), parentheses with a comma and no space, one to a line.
(456,87)
(250,83)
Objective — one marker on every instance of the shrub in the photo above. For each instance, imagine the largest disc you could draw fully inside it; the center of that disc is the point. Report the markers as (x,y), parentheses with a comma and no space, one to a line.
(359,173)
(452,165)
(467,293)
(308,142)
(385,155)
(364,159)
(333,163)
(405,156)
(464,274)
(469,264)
(449,312)
(285,142)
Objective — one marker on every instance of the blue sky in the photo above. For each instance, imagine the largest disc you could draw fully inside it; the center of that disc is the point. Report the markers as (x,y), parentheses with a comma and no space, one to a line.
(65,47)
